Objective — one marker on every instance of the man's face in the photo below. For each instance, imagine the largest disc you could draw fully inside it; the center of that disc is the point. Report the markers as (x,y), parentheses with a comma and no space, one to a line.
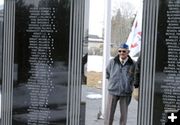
(123,53)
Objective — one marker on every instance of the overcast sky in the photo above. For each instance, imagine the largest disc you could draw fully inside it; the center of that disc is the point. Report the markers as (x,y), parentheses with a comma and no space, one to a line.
(1,2)
(96,19)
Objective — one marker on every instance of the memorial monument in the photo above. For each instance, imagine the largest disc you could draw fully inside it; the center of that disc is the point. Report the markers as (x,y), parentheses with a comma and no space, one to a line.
(160,85)
(42,60)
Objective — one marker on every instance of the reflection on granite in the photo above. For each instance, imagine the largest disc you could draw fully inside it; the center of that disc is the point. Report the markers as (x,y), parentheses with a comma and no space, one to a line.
(41,62)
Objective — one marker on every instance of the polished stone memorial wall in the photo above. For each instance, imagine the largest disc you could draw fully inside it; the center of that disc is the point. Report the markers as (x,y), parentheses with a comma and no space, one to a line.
(160,65)
(42,62)
(167,80)
(1,41)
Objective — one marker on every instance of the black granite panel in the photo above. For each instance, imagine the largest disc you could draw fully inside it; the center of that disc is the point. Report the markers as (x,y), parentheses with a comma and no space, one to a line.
(167,76)
(1,41)
(41,62)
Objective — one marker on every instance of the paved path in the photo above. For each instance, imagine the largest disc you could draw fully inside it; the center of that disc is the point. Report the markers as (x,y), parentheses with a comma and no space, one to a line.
(93,106)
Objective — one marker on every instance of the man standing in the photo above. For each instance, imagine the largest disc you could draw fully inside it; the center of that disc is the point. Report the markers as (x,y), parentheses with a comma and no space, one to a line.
(120,75)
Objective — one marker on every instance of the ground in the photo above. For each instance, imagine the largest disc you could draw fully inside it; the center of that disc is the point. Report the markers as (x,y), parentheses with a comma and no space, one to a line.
(94,79)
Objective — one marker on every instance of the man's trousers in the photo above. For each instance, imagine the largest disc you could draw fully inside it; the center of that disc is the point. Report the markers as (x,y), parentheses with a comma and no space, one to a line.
(112,100)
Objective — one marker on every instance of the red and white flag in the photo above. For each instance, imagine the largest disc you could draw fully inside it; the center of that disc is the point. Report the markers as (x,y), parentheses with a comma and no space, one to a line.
(134,38)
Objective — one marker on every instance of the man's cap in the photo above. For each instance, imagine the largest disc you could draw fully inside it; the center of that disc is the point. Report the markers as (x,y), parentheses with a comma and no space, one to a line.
(123,46)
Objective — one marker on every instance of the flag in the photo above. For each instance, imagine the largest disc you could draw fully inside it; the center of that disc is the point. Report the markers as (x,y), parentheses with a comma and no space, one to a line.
(134,38)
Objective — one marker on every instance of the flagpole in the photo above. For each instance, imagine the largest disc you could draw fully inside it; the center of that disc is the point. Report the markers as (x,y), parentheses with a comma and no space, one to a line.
(106,52)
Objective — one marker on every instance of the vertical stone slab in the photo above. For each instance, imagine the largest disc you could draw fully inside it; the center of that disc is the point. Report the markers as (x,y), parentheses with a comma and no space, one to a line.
(167,75)
(41,59)
(1,39)
(42,62)
(7,62)
(148,58)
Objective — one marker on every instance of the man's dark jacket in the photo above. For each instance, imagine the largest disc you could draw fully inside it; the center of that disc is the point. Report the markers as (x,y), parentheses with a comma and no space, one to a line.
(120,77)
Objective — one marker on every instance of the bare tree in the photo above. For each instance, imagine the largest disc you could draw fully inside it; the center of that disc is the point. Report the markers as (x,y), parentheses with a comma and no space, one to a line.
(121,24)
